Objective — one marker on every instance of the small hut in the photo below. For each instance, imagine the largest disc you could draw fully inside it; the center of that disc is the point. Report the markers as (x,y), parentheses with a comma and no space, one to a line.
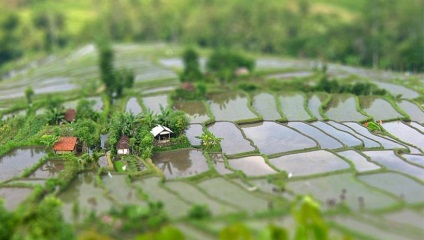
(70,115)
(161,133)
(123,145)
(65,145)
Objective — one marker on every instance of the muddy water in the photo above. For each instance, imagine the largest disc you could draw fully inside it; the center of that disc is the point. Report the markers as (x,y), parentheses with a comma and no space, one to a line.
(233,141)
(272,138)
(252,166)
(265,104)
(196,110)
(308,163)
(405,133)
(393,162)
(219,164)
(14,162)
(181,163)
(193,131)
(83,190)
(49,169)
(121,191)
(324,140)
(13,196)
(303,74)
(154,103)
(133,106)
(343,137)
(230,107)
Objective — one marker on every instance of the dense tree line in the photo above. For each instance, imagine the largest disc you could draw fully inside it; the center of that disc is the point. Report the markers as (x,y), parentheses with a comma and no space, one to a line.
(379,33)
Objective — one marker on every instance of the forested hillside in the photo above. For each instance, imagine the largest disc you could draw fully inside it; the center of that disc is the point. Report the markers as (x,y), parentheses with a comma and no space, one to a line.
(386,34)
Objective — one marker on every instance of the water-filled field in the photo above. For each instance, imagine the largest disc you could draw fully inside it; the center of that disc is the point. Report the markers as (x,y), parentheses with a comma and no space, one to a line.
(367,183)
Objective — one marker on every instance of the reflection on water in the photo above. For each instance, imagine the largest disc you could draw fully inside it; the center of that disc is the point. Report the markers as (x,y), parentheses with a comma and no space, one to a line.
(219,164)
(272,138)
(133,106)
(83,190)
(233,140)
(343,108)
(193,131)
(196,110)
(15,161)
(49,169)
(230,107)
(181,163)
(154,103)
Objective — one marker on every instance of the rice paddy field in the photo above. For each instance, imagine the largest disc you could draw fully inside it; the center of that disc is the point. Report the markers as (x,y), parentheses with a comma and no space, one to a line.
(368,184)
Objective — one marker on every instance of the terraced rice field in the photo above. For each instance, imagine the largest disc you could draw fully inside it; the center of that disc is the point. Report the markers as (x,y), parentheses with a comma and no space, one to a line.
(265,104)
(343,108)
(292,107)
(368,184)
(379,109)
(230,107)
(314,104)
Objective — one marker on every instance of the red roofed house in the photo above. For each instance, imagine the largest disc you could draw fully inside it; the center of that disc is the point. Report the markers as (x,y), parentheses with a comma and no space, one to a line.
(123,145)
(70,115)
(65,145)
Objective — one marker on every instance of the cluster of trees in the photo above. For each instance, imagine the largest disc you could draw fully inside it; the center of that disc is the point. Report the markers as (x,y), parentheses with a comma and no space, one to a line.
(380,33)
(358,88)
(137,128)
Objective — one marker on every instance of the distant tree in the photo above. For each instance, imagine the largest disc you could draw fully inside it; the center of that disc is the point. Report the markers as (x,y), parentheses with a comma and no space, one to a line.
(124,78)
(106,66)
(191,71)
(199,212)
(87,131)
(224,64)
(28,94)
(10,40)
(114,80)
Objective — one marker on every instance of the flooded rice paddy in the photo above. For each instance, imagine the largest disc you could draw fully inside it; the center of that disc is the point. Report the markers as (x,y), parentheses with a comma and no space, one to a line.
(309,163)
(343,108)
(155,103)
(230,107)
(181,163)
(273,138)
(292,107)
(233,141)
(339,162)
(133,106)
(14,162)
(195,110)
(265,104)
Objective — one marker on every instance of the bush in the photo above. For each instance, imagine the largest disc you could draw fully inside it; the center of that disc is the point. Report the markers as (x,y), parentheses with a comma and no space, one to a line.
(224,64)
(199,212)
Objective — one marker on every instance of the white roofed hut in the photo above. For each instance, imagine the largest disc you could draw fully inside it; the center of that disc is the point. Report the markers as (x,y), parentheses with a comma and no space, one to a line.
(161,133)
